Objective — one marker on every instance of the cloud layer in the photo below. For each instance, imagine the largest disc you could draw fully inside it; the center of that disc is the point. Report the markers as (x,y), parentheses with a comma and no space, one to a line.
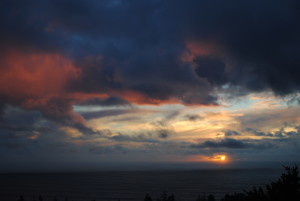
(150,51)
(114,54)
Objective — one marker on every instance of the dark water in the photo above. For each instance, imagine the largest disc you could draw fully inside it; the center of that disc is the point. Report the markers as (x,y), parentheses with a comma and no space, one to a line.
(131,185)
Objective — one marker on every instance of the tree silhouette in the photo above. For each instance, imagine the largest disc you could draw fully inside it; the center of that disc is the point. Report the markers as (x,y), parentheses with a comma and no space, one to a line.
(211,197)
(203,197)
(21,198)
(234,197)
(164,197)
(286,188)
(171,198)
(148,198)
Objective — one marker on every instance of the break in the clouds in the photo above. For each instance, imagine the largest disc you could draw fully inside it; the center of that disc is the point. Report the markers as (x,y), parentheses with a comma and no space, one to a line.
(85,67)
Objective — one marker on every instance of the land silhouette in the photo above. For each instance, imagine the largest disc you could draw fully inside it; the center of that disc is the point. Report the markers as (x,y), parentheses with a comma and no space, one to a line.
(285,188)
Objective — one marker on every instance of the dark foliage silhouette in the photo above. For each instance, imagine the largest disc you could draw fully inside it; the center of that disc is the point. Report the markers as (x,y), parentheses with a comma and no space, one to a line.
(21,198)
(165,197)
(148,198)
(211,198)
(203,197)
(286,188)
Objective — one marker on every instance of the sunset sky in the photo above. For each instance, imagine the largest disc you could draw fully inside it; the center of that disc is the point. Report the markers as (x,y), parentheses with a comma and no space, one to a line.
(104,83)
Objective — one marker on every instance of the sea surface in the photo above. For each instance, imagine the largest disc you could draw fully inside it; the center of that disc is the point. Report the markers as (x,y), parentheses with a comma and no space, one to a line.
(131,185)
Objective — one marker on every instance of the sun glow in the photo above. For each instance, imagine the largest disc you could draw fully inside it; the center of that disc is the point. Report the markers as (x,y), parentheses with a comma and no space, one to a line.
(223,158)
(219,158)
(216,158)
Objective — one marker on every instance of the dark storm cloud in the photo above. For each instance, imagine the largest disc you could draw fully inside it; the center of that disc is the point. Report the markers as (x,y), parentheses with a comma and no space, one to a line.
(147,138)
(229,133)
(193,117)
(105,113)
(262,38)
(226,143)
(30,139)
(163,129)
(229,143)
(164,133)
(258,133)
(281,133)
(23,27)
(18,128)
(147,51)
(61,112)
(110,101)
(145,39)
(211,69)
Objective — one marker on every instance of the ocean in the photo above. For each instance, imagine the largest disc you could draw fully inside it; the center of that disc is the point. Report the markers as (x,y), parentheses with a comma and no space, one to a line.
(131,185)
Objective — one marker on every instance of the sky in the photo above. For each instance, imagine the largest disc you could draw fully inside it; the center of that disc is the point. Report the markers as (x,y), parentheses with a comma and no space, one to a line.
(88,84)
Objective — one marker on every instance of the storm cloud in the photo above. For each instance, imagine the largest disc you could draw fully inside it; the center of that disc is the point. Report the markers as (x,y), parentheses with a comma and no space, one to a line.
(159,51)
(121,55)
(229,143)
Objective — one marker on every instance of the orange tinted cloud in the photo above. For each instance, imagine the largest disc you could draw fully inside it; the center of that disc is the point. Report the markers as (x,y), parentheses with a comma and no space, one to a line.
(39,81)
(35,75)
(197,48)
(142,99)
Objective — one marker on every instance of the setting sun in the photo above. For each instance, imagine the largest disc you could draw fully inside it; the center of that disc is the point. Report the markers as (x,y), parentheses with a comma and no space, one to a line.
(215,158)
(219,158)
